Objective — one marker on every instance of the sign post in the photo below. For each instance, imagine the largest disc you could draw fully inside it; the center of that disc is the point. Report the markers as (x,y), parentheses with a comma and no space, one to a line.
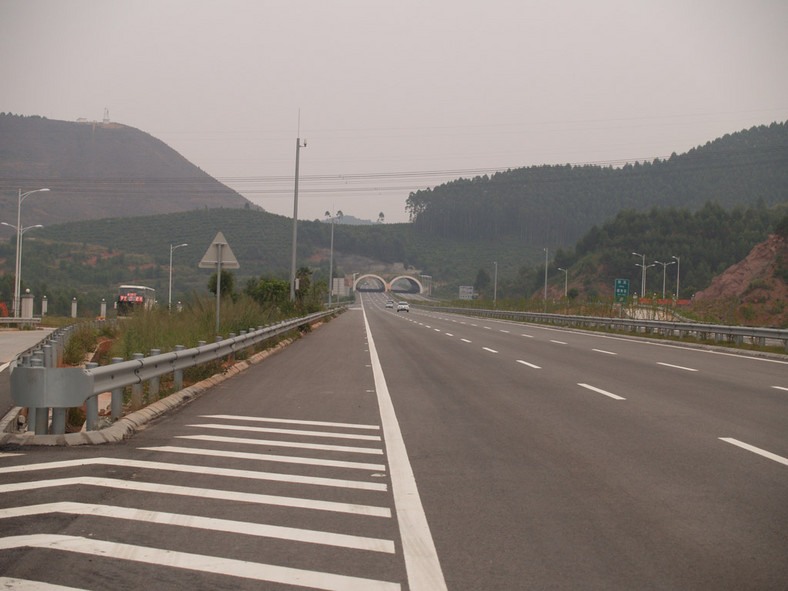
(218,254)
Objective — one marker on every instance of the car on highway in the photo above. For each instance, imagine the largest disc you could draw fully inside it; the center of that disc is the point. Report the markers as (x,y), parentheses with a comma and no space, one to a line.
(390,304)
(403,307)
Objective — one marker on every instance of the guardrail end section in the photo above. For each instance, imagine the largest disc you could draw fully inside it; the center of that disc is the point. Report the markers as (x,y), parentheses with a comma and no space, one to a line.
(50,387)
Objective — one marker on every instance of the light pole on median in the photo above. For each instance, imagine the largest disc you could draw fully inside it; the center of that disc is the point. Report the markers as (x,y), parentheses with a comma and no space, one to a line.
(678,273)
(643,266)
(664,272)
(495,286)
(299,145)
(169,297)
(19,232)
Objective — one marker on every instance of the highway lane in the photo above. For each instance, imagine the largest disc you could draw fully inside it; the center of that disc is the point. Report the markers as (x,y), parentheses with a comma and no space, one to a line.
(542,458)
(279,478)
(564,459)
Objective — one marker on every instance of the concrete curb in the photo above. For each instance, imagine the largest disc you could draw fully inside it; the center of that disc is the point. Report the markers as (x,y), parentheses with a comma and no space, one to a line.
(128,425)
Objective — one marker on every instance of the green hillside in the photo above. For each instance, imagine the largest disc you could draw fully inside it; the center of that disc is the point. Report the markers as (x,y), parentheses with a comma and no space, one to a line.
(556,205)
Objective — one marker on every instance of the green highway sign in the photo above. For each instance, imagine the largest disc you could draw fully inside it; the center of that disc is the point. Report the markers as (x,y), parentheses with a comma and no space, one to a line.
(622,290)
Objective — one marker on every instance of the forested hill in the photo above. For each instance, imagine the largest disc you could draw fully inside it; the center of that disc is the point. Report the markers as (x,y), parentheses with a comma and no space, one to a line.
(97,170)
(557,205)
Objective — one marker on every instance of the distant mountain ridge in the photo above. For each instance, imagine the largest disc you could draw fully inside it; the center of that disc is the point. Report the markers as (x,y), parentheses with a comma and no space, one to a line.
(98,170)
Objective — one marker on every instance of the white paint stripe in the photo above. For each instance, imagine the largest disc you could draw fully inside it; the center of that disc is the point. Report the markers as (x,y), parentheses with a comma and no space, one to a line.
(527,336)
(11,455)
(436,329)
(209,470)
(676,366)
(487,328)
(207,493)
(465,340)
(4,366)
(780,388)
(223,525)
(291,432)
(275,443)
(490,350)
(23,585)
(267,457)
(418,547)
(605,352)
(504,331)
(448,334)
(600,391)
(756,450)
(292,422)
(528,364)
(197,562)
(557,342)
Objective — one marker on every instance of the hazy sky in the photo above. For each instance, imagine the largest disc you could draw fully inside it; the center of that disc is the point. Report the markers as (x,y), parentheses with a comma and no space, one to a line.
(397,96)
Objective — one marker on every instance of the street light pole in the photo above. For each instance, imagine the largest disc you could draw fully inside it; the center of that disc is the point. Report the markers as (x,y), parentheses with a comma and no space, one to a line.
(19,231)
(678,273)
(545,279)
(664,273)
(169,298)
(331,258)
(495,286)
(643,266)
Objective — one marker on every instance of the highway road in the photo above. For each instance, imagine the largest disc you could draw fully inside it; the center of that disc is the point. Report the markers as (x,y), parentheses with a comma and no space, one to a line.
(424,451)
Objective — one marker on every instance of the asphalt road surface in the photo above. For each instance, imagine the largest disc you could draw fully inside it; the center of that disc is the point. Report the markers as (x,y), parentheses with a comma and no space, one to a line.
(421,451)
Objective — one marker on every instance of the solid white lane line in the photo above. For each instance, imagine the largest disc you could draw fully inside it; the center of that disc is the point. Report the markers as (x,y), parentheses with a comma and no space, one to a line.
(194,521)
(605,352)
(557,342)
(207,493)
(756,450)
(600,391)
(528,364)
(11,455)
(275,443)
(780,388)
(676,366)
(25,585)
(329,434)
(197,562)
(418,548)
(465,340)
(292,421)
(490,350)
(240,455)
(206,470)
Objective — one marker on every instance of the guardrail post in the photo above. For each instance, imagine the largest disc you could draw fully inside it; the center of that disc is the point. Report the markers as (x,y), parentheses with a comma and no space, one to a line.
(177,375)
(91,406)
(153,392)
(136,389)
(116,405)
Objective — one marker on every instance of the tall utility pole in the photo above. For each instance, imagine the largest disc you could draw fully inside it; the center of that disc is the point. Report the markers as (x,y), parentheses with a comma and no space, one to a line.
(295,221)
(678,274)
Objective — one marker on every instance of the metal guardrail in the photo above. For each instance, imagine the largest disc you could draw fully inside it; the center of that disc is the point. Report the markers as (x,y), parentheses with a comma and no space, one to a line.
(717,332)
(42,386)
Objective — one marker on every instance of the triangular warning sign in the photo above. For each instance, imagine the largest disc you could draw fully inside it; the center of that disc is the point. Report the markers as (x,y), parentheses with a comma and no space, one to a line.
(219,248)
